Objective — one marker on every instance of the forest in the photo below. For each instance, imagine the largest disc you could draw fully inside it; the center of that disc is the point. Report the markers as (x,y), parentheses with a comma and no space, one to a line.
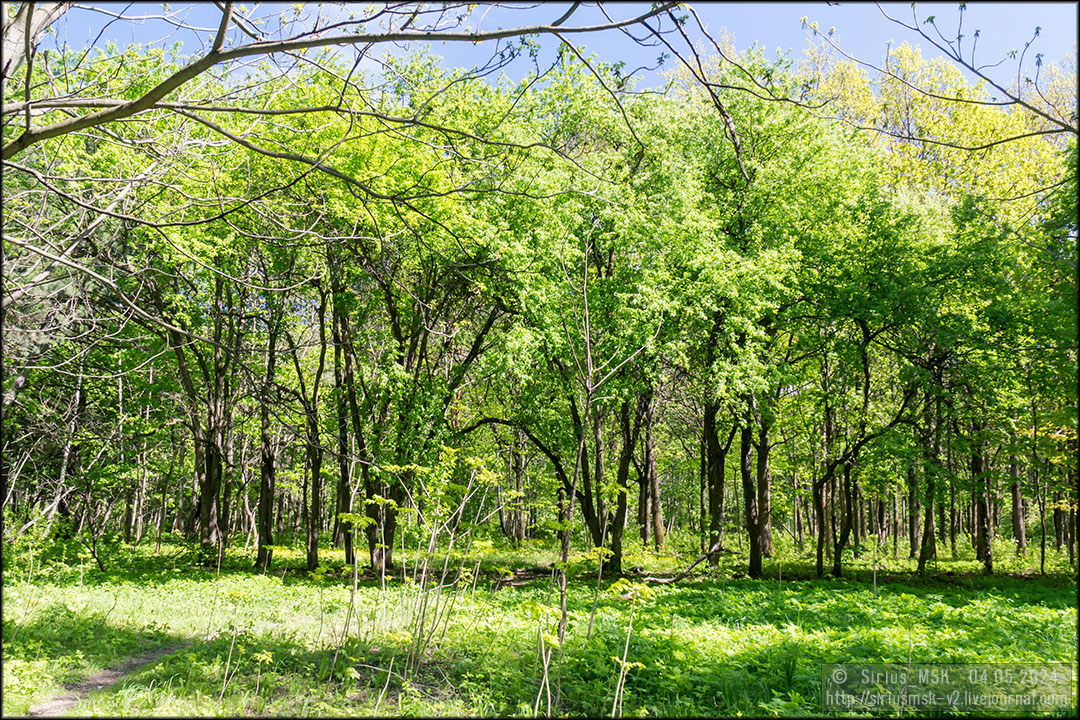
(334,385)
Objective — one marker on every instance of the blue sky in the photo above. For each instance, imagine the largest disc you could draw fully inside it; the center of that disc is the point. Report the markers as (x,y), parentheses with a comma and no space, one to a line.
(861,29)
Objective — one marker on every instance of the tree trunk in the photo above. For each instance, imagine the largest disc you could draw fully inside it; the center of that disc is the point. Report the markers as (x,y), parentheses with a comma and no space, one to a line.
(913,511)
(831,496)
(954,518)
(227,510)
(981,481)
(380,533)
(312,436)
(750,508)
(796,502)
(652,479)
(1072,536)
(1019,523)
(703,494)
(598,479)
(342,534)
(818,491)
(141,503)
(930,440)
(584,490)
(764,483)
(210,493)
(265,509)
(847,511)
(629,440)
(928,547)
(128,521)
(512,514)
(714,456)
(643,510)
(857,519)
(1059,521)
(363,457)
(314,515)
(942,525)
(219,422)
(176,449)
(894,523)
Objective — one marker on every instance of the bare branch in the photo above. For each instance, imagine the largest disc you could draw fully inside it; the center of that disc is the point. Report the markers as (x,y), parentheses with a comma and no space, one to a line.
(215,57)
(1013,98)
(156,321)
(219,40)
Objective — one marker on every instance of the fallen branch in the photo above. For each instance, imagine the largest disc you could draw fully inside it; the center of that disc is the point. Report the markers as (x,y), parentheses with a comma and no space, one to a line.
(712,551)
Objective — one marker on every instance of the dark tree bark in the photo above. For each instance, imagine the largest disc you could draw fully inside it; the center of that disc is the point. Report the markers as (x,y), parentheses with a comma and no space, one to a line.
(846,520)
(598,474)
(715,461)
(166,482)
(942,524)
(644,509)
(1072,536)
(954,518)
(629,434)
(342,533)
(750,505)
(1019,522)
(981,482)
(931,450)
(651,478)
(585,492)
(227,507)
(1059,521)
(894,523)
(314,462)
(376,555)
(913,510)
(265,505)
(796,505)
(845,457)
(764,483)
(882,527)
(858,520)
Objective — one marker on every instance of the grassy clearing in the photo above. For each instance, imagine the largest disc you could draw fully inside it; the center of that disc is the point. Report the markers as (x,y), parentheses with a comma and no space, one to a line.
(714,644)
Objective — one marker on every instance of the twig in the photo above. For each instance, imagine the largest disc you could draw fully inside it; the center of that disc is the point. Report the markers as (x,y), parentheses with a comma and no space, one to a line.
(385,686)
(225,678)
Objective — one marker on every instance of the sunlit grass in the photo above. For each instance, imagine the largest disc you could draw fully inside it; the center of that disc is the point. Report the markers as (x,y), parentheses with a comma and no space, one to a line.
(714,644)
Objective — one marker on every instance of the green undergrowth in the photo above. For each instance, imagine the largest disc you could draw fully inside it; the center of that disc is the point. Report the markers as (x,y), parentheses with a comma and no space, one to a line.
(715,643)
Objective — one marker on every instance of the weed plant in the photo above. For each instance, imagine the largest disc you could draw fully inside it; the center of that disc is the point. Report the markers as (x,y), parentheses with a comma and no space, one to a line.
(715,643)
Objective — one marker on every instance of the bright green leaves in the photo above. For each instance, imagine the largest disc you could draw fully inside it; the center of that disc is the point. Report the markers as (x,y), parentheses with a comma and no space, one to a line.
(628,590)
(355,520)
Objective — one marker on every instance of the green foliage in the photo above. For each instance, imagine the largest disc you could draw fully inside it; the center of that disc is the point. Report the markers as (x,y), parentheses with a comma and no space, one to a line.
(702,647)
(479,276)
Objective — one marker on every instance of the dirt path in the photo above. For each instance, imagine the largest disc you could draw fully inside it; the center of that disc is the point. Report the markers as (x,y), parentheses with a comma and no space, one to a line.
(61,704)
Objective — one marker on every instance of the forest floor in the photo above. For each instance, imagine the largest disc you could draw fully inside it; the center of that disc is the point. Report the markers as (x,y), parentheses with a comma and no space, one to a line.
(157,635)
(102,680)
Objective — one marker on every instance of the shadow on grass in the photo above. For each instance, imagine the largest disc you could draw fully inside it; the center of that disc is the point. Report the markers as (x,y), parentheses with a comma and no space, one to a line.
(75,642)
(253,673)
(75,645)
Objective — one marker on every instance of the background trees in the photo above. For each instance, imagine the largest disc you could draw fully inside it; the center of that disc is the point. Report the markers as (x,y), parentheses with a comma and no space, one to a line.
(625,299)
